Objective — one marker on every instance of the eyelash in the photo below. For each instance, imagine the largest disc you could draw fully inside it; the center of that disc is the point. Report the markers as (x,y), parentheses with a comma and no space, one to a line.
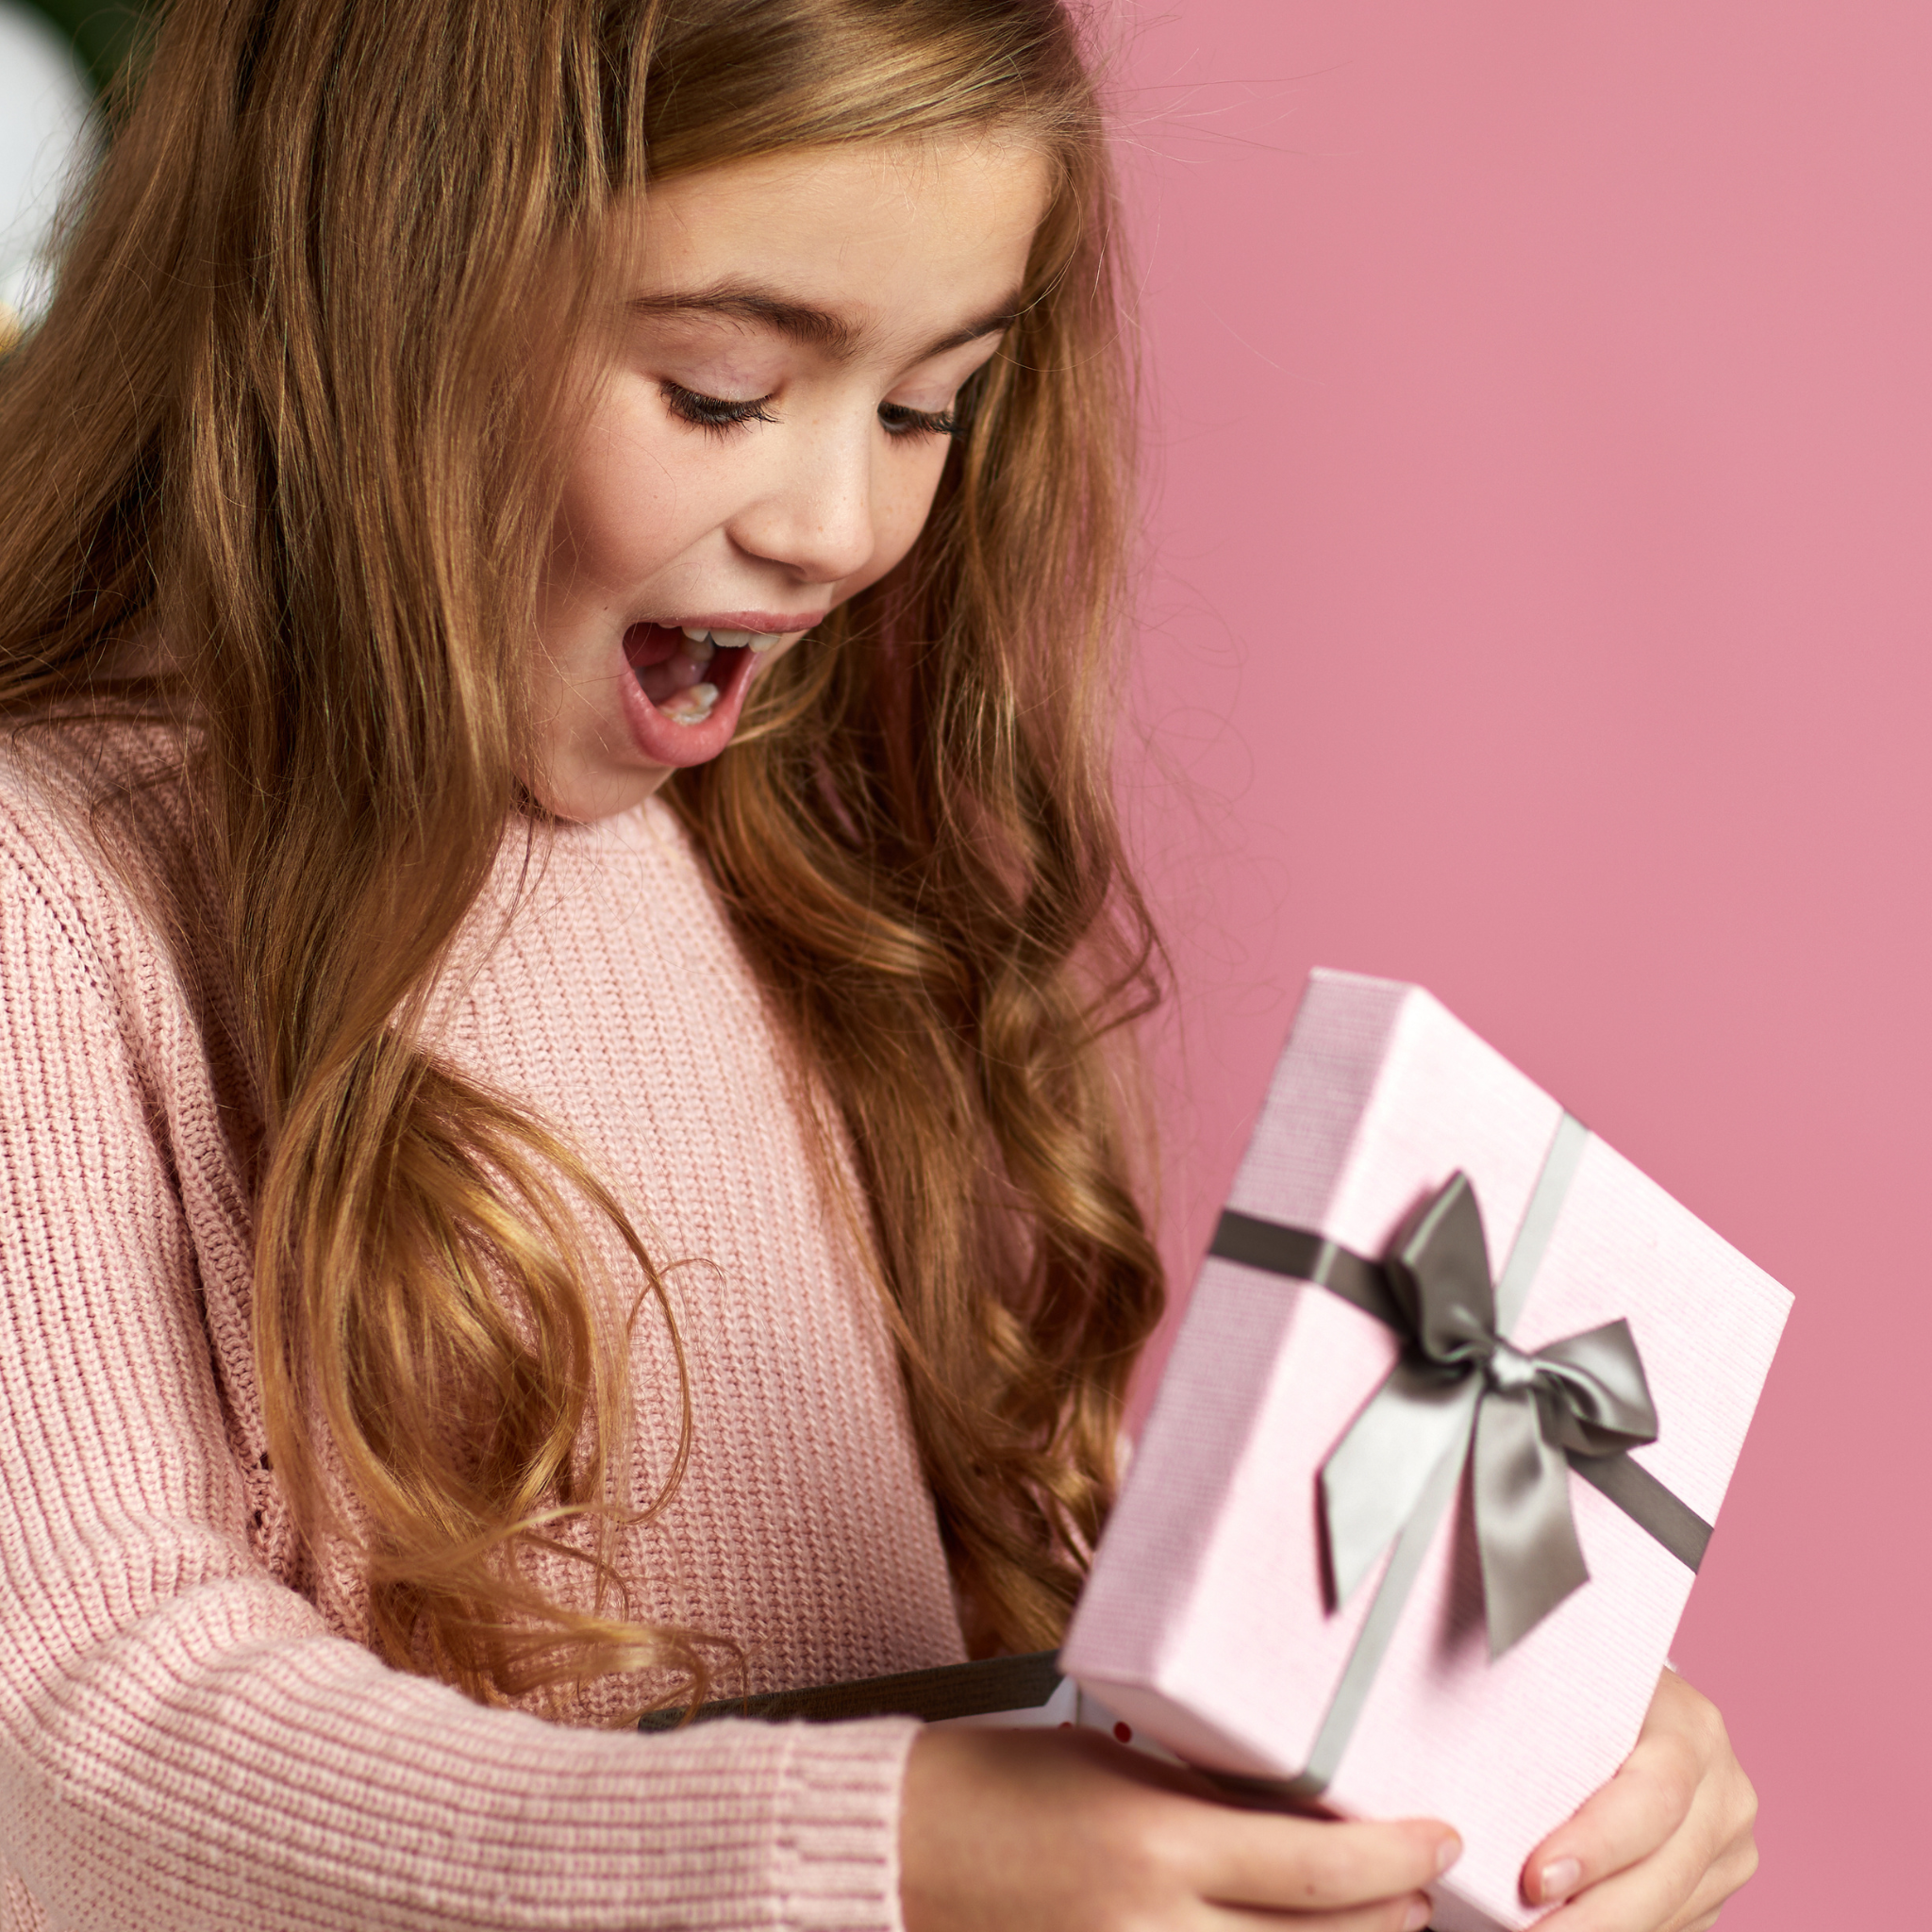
(720,418)
(900,421)
(713,412)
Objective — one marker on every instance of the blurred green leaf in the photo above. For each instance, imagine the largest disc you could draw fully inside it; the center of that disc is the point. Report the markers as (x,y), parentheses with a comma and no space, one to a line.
(102,31)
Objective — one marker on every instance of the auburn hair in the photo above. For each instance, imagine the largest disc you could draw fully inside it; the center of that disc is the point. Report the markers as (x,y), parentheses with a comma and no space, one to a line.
(296,408)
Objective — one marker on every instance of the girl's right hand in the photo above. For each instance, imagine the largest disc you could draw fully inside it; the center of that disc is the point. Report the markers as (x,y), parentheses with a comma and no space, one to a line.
(1064,1831)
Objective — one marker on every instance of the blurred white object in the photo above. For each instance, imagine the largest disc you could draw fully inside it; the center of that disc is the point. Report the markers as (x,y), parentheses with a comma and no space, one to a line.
(46,132)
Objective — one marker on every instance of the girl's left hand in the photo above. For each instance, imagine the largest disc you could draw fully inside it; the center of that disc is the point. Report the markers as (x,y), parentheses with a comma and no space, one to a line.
(1666,1842)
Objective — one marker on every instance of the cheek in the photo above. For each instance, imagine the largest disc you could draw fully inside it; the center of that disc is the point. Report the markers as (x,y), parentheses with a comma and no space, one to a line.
(903,501)
(626,510)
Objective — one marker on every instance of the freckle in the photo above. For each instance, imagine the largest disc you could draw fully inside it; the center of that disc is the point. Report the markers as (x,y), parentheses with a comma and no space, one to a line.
(1125,1733)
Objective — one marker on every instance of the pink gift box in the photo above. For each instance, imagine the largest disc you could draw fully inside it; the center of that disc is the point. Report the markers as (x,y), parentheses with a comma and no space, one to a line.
(1208,1622)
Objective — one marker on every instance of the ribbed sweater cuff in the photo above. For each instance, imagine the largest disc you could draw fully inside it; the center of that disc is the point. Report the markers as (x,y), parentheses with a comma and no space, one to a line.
(755,1827)
(839,1818)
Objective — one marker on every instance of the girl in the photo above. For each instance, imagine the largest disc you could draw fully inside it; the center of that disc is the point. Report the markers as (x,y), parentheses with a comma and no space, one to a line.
(564,956)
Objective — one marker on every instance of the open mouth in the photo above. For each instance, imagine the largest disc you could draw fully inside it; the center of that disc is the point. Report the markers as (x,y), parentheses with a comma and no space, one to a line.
(685,672)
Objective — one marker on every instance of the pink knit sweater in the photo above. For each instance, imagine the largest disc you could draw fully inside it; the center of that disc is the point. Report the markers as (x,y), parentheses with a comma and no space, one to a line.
(191,1733)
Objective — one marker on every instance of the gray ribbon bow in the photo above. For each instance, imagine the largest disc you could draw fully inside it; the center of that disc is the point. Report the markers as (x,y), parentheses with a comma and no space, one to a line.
(1586,1393)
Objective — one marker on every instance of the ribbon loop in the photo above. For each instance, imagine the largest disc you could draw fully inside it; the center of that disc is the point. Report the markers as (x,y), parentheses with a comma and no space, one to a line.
(1461,1382)
(1440,1273)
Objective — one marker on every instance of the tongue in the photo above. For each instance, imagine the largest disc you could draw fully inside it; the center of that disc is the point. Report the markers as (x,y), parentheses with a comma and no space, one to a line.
(667,663)
(645,644)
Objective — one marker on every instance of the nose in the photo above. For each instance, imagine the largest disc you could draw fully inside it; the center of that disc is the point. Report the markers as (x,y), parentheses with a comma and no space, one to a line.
(815,516)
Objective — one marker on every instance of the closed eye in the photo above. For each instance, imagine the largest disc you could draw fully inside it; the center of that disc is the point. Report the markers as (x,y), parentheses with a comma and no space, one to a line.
(900,421)
(714,413)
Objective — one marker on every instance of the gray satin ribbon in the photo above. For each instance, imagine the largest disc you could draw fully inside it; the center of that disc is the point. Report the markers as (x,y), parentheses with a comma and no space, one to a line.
(1459,1377)
(1461,1385)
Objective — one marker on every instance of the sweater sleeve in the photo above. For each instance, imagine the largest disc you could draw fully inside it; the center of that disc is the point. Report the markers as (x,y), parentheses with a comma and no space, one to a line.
(182,1743)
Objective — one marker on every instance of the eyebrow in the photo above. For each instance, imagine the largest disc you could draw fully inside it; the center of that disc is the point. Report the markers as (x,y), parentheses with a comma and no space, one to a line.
(816,328)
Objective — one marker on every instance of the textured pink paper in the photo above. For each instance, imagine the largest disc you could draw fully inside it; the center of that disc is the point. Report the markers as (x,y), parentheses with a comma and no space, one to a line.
(1204,1623)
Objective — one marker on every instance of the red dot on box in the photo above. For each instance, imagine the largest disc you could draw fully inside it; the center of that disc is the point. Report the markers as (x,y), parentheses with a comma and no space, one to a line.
(1066,1724)
(1125,1733)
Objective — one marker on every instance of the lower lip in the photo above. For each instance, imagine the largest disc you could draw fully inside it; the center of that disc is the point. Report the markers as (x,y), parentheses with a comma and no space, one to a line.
(660,737)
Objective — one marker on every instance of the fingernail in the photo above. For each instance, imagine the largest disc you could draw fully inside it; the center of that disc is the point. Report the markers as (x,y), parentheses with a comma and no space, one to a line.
(1418,1916)
(1560,1879)
(1446,1854)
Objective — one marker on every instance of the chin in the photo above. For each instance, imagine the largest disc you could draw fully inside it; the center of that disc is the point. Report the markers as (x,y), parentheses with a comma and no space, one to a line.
(583,795)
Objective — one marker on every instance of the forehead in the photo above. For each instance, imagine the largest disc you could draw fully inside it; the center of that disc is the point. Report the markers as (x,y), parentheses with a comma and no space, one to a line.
(890,244)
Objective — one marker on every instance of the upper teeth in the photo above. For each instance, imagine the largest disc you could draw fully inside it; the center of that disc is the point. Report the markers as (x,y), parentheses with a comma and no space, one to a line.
(732,639)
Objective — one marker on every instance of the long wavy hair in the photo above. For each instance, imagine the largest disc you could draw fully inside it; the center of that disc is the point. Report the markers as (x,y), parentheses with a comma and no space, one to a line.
(281,413)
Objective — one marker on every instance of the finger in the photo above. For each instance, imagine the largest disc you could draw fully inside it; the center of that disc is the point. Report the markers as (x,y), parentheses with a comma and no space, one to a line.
(1724,1876)
(1645,1898)
(1638,1811)
(1306,1865)
(1407,1914)
(1676,1890)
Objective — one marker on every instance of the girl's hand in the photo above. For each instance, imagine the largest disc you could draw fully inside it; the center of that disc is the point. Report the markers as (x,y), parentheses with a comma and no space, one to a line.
(1064,1831)
(1666,1842)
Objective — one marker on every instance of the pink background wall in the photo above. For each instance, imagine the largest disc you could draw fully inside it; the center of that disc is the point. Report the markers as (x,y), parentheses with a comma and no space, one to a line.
(1543,426)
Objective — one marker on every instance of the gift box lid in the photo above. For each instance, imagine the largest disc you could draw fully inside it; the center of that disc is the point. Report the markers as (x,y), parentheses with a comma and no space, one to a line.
(1208,1619)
